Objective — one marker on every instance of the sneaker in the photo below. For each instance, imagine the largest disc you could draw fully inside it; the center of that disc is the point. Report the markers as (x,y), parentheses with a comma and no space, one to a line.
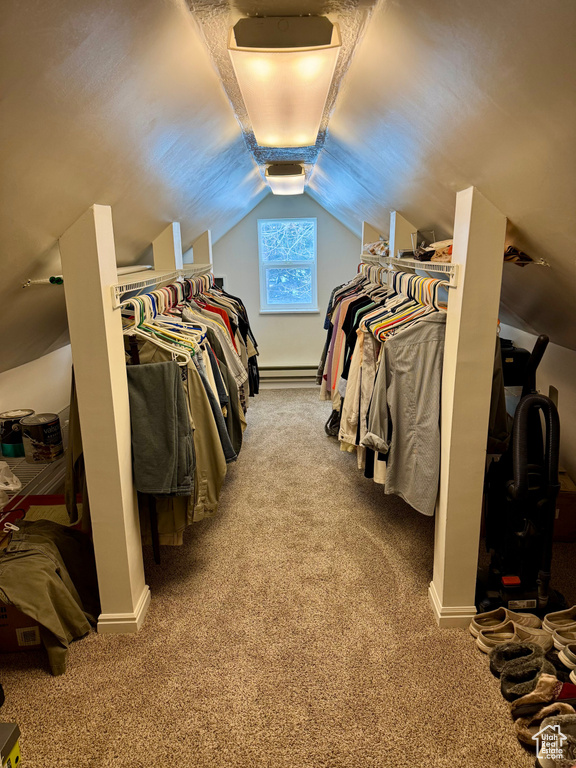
(494,619)
(562,637)
(510,632)
(568,655)
(561,620)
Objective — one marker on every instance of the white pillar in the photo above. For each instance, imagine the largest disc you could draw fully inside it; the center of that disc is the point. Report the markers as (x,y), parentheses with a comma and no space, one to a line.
(369,235)
(167,249)
(89,269)
(202,250)
(400,234)
(479,234)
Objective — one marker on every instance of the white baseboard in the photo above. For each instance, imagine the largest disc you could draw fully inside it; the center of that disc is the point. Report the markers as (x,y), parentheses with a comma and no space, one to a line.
(125,623)
(450,616)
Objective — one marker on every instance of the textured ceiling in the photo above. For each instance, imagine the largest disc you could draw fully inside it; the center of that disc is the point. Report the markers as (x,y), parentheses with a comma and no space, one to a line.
(216,19)
(121,103)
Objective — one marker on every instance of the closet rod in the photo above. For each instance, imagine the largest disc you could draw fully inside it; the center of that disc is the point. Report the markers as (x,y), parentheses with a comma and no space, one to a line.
(154,278)
(428,266)
(59,279)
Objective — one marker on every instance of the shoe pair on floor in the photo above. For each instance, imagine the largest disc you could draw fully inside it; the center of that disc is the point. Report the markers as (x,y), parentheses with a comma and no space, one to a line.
(502,625)
(568,657)
(538,699)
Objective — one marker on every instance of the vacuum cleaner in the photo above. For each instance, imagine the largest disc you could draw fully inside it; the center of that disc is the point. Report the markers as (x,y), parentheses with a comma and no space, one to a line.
(520,507)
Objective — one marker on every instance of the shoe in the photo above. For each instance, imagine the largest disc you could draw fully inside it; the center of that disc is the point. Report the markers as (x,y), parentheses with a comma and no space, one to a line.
(504,653)
(510,632)
(560,620)
(573,676)
(568,655)
(562,637)
(564,725)
(562,671)
(548,690)
(527,727)
(520,677)
(494,619)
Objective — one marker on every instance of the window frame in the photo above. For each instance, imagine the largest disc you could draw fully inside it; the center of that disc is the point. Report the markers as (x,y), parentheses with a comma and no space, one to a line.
(267,308)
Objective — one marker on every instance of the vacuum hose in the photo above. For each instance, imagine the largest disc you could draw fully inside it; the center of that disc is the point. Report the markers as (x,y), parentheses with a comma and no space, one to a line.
(519,487)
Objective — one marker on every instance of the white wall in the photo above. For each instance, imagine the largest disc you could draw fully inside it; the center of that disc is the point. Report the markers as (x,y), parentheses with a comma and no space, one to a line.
(43,384)
(286,339)
(557,369)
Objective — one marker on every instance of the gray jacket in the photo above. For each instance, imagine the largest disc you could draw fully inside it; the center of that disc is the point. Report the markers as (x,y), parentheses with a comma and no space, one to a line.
(404,417)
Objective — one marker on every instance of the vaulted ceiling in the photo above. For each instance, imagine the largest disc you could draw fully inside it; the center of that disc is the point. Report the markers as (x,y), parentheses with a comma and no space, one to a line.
(122,103)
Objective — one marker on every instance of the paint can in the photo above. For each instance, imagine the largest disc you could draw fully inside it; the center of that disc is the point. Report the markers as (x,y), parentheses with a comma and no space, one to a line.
(11,432)
(42,438)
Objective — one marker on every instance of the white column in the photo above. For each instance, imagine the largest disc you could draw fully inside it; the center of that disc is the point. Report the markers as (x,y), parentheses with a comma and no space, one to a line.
(89,269)
(400,231)
(167,249)
(202,250)
(369,235)
(479,233)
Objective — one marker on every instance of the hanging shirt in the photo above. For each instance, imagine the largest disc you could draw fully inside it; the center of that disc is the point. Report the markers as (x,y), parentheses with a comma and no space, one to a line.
(404,418)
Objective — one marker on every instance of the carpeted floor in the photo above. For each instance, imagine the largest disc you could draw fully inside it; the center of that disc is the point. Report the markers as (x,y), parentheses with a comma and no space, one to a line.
(292,631)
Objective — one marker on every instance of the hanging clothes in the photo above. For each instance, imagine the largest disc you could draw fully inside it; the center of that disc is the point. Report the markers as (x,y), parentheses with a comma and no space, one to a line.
(382,370)
(192,366)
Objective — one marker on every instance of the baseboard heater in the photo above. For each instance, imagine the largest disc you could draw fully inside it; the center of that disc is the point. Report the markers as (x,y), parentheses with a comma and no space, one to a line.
(288,372)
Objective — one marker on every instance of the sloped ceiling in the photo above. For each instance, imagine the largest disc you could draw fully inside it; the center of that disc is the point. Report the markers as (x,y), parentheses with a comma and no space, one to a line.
(114,103)
(121,103)
(444,94)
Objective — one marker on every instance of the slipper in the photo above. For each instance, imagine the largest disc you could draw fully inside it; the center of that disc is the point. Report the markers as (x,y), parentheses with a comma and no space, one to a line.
(548,690)
(511,632)
(520,677)
(504,653)
(527,727)
(560,620)
(565,725)
(494,619)
(568,655)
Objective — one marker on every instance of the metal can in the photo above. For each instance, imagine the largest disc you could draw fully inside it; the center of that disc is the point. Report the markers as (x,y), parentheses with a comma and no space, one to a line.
(42,438)
(11,432)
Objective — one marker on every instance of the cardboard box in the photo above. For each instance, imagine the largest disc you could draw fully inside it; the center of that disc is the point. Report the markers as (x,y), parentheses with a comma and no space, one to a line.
(9,745)
(18,632)
(565,525)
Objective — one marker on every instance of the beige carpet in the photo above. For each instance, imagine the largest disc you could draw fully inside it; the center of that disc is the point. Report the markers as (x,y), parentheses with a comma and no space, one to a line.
(292,631)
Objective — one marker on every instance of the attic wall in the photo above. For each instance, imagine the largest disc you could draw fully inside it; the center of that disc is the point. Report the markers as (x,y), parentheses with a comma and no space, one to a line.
(557,369)
(286,339)
(42,384)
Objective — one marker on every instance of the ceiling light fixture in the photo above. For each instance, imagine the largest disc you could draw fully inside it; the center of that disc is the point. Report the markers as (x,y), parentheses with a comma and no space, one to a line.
(284,67)
(286,179)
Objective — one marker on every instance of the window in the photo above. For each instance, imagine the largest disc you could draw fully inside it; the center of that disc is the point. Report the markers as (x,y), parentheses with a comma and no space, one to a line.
(287,251)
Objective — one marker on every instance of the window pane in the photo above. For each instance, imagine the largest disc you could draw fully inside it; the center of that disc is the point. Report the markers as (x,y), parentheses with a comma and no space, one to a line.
(289,286)
(287,240)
